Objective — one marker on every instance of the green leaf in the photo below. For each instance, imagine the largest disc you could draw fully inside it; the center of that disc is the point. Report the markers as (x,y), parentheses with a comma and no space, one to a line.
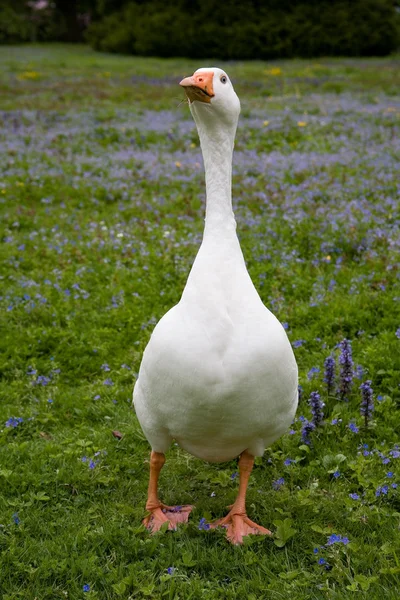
(305,448)
(284,531)
(187,559)
(119,588)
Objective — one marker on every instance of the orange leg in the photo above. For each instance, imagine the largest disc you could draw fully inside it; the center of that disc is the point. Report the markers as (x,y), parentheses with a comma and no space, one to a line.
(236,521)
(159,512)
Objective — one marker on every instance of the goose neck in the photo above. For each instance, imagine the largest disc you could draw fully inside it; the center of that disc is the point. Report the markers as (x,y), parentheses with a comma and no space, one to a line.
(217,149)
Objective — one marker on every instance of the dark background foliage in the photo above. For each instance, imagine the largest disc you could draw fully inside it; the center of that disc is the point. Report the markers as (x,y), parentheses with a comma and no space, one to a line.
(237,29)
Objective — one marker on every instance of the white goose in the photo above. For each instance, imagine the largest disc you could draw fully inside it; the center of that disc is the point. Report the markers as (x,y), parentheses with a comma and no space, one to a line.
(218,374)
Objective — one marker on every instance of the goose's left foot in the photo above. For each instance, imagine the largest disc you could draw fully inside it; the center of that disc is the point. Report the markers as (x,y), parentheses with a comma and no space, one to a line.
(236,521)
(163,514)
(238,526)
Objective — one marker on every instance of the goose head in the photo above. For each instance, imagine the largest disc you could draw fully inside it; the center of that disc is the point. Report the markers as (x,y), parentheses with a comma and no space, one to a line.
(211,96)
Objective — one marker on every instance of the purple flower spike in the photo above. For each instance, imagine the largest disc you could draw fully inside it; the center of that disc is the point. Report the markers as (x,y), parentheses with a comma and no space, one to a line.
(346,369)
(307,429)
(329,376)
(317,406)
(367,401)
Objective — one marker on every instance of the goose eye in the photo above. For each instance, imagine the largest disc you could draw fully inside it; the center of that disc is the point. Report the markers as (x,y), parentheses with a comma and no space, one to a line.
(224,79)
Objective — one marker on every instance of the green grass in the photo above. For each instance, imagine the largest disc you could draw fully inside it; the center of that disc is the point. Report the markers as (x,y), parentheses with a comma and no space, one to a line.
(102,202)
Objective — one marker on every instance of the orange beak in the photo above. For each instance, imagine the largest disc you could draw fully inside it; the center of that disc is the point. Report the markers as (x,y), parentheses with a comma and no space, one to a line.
(199,86)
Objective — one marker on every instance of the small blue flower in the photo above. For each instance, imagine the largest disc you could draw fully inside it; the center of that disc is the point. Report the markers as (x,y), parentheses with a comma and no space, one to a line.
(105,367)
(398,333)
(354,496)
(394,486)
(234,475)
(321,561)
(16,518)
(86,587)
(390,474)
(381,490)
(288,461)
(97,397)
(336,474)
(312,372)
(316,550)
(337,539)
(171,570)
(203,525)
(108,382)
(353,427)
(278,483)
(13,422)
(298,343)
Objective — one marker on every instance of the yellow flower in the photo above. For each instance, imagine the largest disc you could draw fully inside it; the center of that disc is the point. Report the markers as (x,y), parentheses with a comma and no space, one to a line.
(266,123)
(20,184)
(192,145)
(28,75)
(275,71)
(3,191)
(178,164)
(301,123)
(327,258)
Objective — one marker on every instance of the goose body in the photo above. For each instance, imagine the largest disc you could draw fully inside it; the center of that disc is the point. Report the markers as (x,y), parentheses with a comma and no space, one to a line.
(218,375)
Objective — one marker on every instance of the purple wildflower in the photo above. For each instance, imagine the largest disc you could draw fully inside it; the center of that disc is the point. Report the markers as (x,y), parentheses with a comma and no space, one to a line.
(278,483)
(381,491)
(317,406)
(288,461)
(346,368)
(337,539)
(329,376)
(312,372)
(105,367)
(306,430)
(86,587)
(108,382)
(300,392)
(203,525)
(353,427)
(354,496)
(42,380)
(171,570)
(234,475)
(336,474)
(13,421)
(398,333)
(367,402)
(298,343)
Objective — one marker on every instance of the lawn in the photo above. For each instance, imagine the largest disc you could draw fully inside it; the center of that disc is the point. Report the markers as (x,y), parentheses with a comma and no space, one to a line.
(102,207)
